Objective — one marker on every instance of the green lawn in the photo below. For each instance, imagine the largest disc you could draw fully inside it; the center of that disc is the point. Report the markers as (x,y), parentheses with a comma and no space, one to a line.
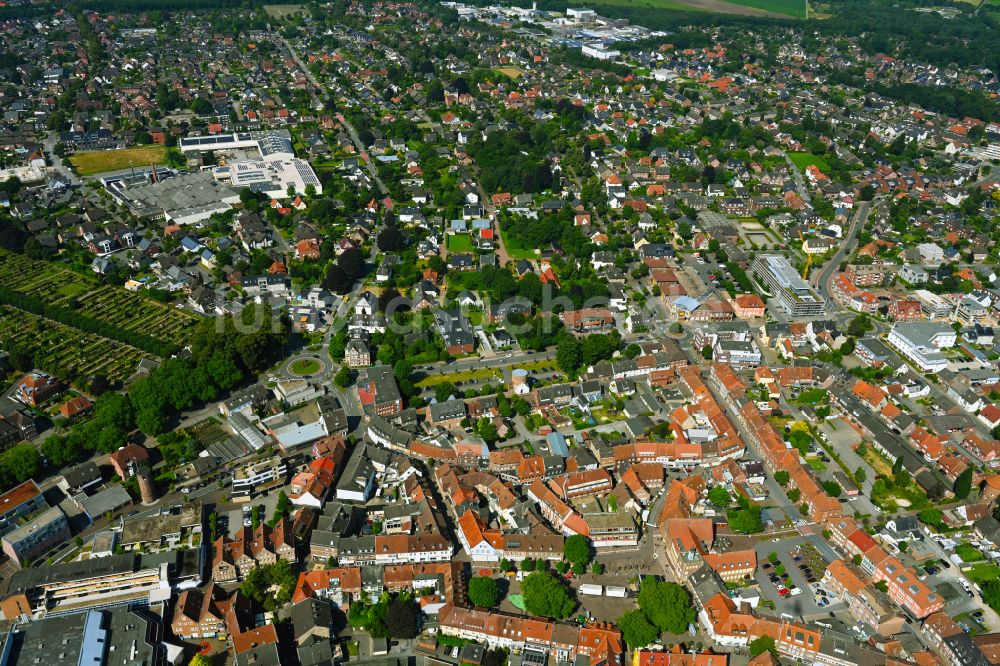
(969,553)
(305,366)
(460,243)
(803,160)
(982,572)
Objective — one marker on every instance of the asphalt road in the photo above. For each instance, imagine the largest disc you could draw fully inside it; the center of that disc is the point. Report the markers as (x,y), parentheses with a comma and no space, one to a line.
(860,217)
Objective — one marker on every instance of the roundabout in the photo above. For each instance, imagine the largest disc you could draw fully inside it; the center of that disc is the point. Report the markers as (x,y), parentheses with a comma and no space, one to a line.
(305,367)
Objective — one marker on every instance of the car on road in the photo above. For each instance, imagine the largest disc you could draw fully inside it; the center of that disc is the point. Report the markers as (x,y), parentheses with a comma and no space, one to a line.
(945,563)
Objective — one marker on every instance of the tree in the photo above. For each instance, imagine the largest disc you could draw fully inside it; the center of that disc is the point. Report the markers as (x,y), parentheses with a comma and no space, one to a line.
(719,496)
(391,239)
(666,605)
(546,596)
(597,568)
(402,618)
(444,391)
(569,355)
(832,488)
(483,592)
(706,352)
(772,557)
(860,475)
(200,660)
(746,520)
(794,494)
(759,646)
(637,630)
(577,548)
(255,516)
(782,477)
(343,377)
(963,484)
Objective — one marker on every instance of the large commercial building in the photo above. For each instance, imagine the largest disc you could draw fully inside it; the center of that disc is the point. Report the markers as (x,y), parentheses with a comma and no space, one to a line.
(921,343)
(95,637)
(793,294)
(263,161)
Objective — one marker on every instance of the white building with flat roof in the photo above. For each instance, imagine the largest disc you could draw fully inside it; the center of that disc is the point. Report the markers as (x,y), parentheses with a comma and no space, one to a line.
(921,343)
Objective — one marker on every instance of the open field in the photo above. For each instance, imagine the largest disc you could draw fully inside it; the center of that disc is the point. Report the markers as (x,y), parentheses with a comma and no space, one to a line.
(774,8)
(515,251)
(512,72)
(283,11)
(99,161)
(460,243)
(803,160)
(57,285)
(65,351)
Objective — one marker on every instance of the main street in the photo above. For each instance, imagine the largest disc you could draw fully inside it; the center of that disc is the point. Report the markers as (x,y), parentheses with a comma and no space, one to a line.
(822,279)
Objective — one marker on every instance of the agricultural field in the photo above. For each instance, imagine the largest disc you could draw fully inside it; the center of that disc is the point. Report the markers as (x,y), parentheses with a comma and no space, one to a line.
(67,352)
(99,161)
(124,309)
(803,160)
(776,8)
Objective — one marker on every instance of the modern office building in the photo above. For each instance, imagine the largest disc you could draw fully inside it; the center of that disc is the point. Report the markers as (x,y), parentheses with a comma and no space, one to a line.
(794,295)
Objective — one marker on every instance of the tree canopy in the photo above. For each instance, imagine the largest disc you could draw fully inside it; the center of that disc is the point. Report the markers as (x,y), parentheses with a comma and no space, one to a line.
(637,630)
(577,549)
(666,605)
(545,595)
(483,592)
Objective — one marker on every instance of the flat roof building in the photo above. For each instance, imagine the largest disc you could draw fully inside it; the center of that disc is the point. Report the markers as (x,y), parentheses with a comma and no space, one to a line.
(794,296)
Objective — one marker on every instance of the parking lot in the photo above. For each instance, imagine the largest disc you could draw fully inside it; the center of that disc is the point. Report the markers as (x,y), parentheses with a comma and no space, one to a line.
(808,602)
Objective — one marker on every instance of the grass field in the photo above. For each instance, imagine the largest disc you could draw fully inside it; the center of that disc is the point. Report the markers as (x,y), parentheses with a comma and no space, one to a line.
(99,161)
(283,11)
(512,72)
(980,573)
(516,251)
(460,243)
(803,160)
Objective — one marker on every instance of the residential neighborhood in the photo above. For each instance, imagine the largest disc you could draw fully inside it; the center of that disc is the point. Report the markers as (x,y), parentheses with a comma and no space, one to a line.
(432,333)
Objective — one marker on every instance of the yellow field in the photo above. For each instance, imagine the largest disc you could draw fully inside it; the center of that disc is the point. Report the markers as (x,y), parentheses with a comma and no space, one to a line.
(512,72)
(99,161)
(282,11)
